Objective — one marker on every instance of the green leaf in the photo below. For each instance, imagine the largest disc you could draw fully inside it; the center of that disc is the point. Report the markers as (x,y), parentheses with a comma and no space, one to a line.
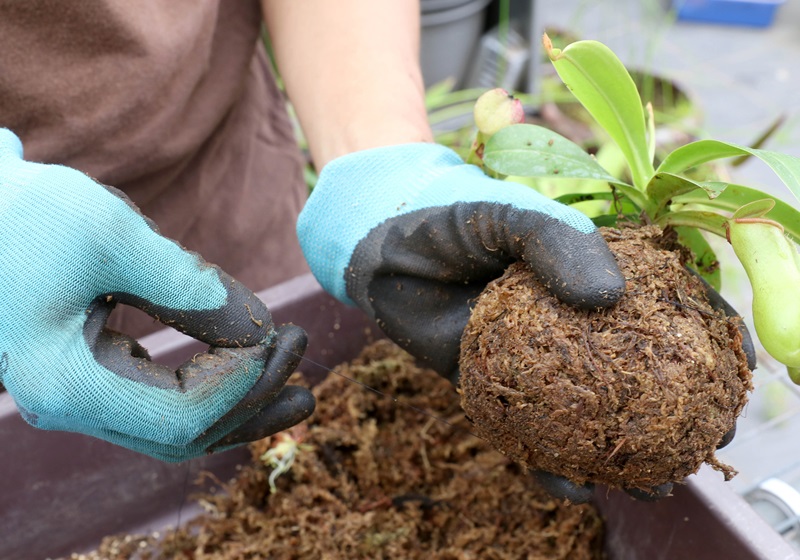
(705,262)
(786,167)
(663,187)
(606,220)
(736,196)
(528,150)
(602,84)
(575,198)
(693,154)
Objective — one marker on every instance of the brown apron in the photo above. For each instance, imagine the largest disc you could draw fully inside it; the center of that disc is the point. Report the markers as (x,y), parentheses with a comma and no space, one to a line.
(173,102)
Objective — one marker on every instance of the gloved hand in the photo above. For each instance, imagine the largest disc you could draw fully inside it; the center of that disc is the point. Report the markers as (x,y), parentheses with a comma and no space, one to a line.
(411,235)
(71,249)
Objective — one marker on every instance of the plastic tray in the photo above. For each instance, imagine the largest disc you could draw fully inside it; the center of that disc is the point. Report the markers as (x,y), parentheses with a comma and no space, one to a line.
(63,492)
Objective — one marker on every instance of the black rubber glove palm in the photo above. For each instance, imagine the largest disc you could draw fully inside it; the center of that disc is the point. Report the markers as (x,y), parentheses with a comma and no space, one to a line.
(411,235)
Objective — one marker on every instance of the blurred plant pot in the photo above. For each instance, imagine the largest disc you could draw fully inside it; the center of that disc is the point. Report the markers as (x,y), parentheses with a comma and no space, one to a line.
(451,30)
(674,106)
(62,492)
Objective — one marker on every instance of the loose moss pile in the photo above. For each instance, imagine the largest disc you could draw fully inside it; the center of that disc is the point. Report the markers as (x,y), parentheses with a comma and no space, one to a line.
(634,396)
(381,480)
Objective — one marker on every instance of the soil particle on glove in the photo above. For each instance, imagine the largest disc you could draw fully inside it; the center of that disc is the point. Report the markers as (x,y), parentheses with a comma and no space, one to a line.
(634,396)
(378,480)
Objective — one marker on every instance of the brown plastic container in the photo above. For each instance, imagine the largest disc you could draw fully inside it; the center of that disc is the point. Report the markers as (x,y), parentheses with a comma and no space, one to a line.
(62,492)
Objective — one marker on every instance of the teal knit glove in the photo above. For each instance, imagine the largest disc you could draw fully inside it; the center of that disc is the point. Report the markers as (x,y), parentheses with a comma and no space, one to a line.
(71,249)
(411,235)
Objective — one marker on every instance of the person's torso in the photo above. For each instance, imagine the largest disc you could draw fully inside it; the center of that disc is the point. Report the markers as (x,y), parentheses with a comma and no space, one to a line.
(118,88)
(171,101)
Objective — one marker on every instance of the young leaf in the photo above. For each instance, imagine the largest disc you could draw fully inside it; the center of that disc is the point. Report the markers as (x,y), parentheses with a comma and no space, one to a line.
(651,132)
(755,209)
(621,203)
(664,187)
(602,84)
(435,94)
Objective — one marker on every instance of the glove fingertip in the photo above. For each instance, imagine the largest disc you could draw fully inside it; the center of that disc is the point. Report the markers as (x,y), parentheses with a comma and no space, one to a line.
(291,338)
(279,360)
(653,495)
(727,438)
(576,266)
(564,489)
(293,405)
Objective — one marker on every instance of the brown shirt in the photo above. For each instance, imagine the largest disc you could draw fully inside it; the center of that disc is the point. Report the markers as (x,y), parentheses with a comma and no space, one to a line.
(173,102)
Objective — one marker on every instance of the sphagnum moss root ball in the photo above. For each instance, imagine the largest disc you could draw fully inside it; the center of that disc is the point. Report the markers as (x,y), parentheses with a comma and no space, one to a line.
(634,396)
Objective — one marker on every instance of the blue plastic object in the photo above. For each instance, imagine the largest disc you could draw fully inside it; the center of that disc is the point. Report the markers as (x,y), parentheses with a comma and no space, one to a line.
(753,13)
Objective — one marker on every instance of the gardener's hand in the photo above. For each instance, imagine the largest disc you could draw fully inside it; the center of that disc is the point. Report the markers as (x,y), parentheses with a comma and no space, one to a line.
(71,248)
(411,235)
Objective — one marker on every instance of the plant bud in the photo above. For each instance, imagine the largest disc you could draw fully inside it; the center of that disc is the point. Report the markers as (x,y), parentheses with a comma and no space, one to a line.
(497,109)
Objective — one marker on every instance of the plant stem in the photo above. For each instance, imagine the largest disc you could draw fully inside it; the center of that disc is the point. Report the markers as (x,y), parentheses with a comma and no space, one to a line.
(503,26)
(708,221)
